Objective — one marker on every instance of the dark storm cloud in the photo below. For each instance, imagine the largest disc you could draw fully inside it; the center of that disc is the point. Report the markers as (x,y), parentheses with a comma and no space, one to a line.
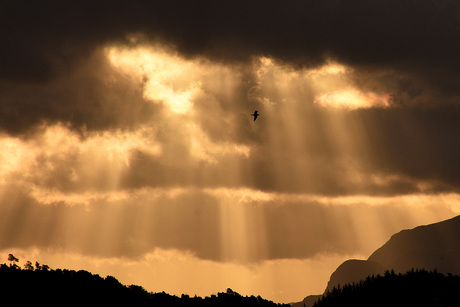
(93,96)
(395,46)
(42,39)
(52,70)
(418,143)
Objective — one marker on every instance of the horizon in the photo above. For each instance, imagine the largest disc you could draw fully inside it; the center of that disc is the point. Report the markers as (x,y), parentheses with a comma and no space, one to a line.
(130,148)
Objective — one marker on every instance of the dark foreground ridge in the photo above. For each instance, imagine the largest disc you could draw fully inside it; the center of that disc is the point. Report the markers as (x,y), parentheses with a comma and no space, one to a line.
(427,247)
(415,288)
(40,284)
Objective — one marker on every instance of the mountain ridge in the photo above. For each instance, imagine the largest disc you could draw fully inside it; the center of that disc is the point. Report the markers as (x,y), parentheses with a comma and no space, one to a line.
(434,246)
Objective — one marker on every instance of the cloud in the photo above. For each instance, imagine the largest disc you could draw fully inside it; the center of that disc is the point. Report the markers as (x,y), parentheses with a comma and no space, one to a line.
(163,239)
(93,96)
(114,132)
(119,107)
(353,100)
(126,128)
(217,225)
(417,143)
(43,40)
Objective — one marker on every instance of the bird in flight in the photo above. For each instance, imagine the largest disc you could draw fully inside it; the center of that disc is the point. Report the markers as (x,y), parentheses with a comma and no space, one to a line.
(255,114)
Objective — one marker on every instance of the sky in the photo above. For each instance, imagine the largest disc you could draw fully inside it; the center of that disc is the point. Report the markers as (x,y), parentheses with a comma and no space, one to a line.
(129,149)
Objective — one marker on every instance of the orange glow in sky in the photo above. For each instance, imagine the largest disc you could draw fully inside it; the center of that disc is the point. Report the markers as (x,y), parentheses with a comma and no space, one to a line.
(174,187)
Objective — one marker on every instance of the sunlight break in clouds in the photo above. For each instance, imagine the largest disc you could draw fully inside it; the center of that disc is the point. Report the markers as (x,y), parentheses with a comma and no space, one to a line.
(331,85)
(200,188)
(193,203)
(164,76)
(353,99)
(128,148)
(57,156)
(334,89)
(178,83)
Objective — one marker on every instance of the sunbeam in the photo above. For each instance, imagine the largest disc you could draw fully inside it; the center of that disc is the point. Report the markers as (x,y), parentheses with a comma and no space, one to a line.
(141,157)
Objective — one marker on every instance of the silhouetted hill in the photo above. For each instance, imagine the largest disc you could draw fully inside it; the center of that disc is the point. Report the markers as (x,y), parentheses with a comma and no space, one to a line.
(353,270)
(348,272)
(429,247)
(307,301)
(415,288)
(434,246)
(81,288)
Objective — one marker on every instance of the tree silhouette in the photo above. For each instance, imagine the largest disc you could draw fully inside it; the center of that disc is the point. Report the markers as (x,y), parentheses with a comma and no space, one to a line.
(13,260)
(57,287)
(415,288)
(28,266)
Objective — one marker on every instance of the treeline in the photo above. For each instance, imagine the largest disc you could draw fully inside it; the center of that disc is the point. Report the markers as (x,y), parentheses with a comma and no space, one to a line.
(40,284)
(415,288)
